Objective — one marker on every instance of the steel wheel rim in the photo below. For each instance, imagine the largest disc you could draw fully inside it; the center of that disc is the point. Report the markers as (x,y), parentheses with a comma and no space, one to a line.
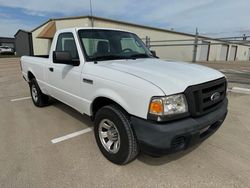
(109,136)
(34,93)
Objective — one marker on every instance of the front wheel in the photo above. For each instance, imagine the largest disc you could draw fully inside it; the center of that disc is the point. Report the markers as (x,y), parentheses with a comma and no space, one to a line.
(114,135)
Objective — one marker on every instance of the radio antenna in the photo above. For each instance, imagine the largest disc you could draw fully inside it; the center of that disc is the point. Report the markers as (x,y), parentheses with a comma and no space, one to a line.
(91,13)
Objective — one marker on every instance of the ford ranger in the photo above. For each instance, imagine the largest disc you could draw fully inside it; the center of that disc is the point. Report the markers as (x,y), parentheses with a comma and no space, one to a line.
(137,101)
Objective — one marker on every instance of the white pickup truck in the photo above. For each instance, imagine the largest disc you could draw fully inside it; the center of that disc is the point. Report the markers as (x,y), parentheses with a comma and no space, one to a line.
(137,102)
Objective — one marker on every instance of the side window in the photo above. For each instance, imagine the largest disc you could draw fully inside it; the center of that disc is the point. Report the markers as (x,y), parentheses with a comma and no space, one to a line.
(66,42)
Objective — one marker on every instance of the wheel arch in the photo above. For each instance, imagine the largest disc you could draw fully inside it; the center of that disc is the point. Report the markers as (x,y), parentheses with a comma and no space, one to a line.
(102,101)
(30,75)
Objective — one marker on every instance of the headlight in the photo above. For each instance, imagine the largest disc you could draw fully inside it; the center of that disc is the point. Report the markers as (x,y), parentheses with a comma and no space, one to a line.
(162,108)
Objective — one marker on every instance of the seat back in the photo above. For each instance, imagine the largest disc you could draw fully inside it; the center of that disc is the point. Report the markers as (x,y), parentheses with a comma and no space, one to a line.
(102,48)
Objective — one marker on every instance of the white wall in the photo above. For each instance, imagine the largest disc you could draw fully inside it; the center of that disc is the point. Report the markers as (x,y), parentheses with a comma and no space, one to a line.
(63,24)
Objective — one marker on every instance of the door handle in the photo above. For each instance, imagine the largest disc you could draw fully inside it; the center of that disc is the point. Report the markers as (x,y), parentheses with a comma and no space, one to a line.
(51,69)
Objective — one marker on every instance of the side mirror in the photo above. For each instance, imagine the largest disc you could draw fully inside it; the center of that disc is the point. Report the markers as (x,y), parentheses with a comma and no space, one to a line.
(64,57)
(153,53)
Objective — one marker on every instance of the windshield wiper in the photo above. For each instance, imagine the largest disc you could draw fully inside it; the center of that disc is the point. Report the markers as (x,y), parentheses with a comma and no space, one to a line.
(108,57)
(140,56)
(115,57)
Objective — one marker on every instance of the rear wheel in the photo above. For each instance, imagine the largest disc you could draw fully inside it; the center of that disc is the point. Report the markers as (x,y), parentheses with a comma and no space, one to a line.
(114,135)
(39,99)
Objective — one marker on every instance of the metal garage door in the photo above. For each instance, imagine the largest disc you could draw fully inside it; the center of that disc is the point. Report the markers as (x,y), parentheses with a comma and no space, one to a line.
(224,52)
(204,51)
(233,52)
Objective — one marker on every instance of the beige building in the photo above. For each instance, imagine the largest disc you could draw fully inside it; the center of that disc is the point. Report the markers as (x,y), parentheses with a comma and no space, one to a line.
(168,44)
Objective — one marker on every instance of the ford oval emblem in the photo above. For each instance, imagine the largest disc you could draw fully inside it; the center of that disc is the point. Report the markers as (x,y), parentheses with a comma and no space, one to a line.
(215,96)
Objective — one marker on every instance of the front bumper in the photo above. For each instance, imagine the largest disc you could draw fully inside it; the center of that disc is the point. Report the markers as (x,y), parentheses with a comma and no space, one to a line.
(162,138)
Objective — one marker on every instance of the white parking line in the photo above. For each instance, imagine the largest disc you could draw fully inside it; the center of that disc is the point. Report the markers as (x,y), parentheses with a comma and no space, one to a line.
(66,137)
(20,99)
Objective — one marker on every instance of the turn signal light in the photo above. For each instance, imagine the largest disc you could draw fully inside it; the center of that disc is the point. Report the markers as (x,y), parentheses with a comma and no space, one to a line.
(156,107)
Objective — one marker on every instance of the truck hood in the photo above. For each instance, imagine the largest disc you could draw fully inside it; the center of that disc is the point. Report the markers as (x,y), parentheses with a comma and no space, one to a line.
(170,77)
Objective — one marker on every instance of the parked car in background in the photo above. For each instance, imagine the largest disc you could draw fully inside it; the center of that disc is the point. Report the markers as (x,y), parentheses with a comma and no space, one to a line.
(6,50)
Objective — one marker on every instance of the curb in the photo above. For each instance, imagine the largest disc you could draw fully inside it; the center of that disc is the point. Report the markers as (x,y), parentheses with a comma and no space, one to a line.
(240,90)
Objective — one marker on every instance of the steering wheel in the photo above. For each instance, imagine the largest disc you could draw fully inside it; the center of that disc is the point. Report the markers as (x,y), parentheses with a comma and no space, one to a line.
(127,50)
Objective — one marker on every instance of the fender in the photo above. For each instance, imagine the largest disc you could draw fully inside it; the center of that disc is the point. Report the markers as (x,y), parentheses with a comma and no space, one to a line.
(112,95)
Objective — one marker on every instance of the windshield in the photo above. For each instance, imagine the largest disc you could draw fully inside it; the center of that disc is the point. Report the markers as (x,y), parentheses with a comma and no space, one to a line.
(101,45)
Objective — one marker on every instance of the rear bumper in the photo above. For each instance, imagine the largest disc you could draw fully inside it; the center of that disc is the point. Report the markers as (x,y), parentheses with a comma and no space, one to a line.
(158,139)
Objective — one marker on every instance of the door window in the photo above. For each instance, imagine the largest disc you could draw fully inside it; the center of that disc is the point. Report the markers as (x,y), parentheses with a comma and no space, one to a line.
(66,42)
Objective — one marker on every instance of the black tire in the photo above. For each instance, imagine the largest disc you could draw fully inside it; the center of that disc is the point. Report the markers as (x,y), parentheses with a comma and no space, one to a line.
(42,99)
(128,149)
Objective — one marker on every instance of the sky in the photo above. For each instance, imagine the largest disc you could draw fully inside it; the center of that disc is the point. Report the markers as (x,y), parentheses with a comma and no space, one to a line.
(216,18)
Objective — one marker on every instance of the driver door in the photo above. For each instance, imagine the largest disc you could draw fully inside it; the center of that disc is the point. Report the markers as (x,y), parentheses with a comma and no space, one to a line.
(64,79)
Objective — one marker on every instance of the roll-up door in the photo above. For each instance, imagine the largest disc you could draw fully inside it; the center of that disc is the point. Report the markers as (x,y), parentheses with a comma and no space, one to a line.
(233,53)
(224,52)
(204,51)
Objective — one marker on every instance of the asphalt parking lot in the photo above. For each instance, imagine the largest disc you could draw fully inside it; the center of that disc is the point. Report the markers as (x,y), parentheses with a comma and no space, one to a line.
(28,158)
